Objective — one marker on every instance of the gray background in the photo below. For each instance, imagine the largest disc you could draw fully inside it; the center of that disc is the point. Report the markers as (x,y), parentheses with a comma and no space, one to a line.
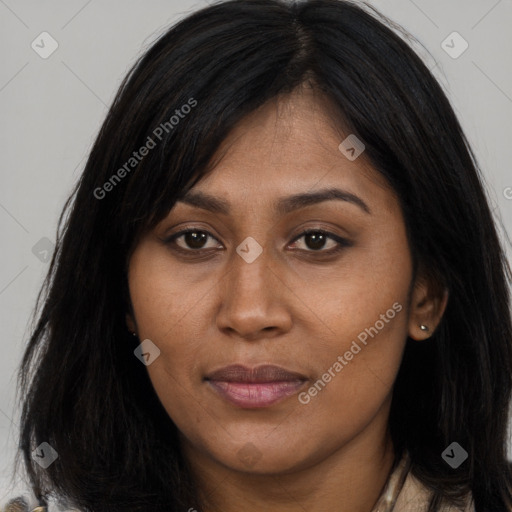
(52,109)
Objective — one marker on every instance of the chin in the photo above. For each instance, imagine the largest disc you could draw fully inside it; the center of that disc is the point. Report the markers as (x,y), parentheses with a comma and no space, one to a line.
(261,455)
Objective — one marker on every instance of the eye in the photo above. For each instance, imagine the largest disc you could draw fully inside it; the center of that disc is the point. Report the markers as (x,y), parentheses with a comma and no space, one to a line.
(191,239)
(316,239)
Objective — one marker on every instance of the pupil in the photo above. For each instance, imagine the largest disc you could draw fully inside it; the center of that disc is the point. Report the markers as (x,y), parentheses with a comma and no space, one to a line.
(318,240)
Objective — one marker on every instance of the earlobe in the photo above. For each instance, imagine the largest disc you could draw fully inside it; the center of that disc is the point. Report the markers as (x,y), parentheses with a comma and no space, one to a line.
(427,309)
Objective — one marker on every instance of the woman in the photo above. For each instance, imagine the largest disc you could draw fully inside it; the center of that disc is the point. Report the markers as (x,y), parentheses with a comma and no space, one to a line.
(278,286)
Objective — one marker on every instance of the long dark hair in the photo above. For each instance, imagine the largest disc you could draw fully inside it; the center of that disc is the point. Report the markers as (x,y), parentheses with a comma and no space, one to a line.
(88,396)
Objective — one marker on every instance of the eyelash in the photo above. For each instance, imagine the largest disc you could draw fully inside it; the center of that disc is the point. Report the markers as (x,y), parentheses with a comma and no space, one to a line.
(342,242)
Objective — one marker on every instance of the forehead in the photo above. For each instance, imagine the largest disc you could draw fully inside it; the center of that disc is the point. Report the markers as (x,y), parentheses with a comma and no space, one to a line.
(290,146)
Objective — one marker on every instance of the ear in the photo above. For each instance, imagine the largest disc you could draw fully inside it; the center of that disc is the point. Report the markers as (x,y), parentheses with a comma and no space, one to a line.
(130,323)
(428,304)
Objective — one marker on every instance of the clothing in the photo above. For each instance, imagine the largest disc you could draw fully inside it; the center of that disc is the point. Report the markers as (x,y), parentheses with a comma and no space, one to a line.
(405,493)
(402,493)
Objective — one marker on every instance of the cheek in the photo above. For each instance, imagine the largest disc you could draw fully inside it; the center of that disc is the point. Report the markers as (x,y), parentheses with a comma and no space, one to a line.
(365,322)
(166,312)
(165,297)
(361,292)
(357,361)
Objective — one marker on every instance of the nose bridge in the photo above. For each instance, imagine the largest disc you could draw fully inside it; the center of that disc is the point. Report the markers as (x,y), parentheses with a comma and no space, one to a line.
(250,299)
(251,269)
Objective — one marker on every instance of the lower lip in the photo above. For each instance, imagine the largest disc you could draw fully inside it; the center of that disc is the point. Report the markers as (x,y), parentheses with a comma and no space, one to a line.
(256,394)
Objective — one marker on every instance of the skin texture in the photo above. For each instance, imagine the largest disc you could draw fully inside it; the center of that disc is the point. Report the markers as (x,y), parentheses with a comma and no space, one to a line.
(291,307)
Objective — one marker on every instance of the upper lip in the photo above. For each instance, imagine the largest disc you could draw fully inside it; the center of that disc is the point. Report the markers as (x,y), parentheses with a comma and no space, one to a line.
(263,373)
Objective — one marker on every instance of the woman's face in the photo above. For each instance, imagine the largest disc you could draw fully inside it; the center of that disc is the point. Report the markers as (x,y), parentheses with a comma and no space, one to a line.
(247,288)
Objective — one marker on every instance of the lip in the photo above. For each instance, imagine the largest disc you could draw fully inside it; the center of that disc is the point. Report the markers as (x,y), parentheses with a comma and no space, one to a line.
(257,387)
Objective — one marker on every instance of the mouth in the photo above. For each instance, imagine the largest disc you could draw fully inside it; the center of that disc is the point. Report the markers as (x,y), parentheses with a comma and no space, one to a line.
(258,387)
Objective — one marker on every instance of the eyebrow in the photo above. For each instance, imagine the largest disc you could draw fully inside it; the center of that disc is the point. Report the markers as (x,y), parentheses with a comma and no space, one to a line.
(283,206)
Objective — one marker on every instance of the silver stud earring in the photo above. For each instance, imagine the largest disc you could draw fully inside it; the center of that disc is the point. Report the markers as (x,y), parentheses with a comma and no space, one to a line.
(134,333)
(424,327)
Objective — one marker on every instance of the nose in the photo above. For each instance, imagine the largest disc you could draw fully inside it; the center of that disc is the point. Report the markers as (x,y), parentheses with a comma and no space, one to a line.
(254,300)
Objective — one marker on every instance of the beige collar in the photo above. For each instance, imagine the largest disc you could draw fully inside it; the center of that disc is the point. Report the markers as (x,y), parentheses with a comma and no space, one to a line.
(405,493)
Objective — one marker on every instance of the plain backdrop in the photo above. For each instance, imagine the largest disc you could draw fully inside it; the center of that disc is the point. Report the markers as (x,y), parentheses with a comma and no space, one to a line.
(52,109)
